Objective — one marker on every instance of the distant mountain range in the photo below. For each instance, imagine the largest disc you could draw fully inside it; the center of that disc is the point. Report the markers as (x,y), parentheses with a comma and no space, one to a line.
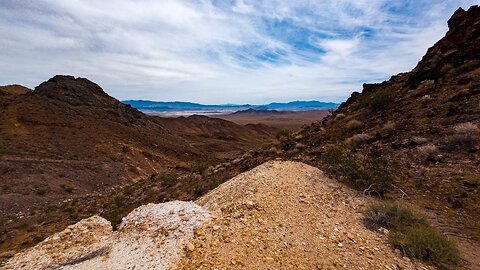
(158,106)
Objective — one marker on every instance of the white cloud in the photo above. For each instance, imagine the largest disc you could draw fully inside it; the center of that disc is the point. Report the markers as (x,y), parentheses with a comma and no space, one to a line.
(217,52)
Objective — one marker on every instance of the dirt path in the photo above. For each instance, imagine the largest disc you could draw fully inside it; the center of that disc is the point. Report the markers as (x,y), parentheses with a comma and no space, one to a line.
(288,215)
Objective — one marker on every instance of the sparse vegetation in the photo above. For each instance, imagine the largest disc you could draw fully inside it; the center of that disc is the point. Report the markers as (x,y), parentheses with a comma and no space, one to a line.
(66,188)
(168,180)
(419,140)
(465,137)
(282,134)
(339,116)
(354,125)
(387,129)
(41,191)
(380,99)
(411,234)
(372,175)
(200,168)
(359,140)
(467,129)
(428,151)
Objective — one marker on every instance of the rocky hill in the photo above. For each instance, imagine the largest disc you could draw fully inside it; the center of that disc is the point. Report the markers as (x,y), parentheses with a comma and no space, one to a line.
(413,138)
(68,139)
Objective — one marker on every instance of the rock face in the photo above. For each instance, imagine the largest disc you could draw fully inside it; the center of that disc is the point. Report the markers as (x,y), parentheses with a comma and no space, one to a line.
(459,47)
(150,237)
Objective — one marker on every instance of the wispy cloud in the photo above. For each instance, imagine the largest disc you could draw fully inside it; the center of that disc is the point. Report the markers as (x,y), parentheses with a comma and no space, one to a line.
(219,51)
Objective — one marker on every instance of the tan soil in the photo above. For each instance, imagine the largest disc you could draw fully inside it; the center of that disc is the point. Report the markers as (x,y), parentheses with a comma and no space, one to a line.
(288,215)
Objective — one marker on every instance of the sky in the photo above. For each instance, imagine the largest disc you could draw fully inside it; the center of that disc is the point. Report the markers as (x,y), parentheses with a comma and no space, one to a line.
(219,51)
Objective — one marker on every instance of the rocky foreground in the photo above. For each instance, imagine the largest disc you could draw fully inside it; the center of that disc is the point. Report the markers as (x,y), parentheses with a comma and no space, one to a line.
(280,215)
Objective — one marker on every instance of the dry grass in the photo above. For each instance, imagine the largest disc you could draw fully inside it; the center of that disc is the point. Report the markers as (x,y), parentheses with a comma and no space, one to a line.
(359,140)
(467,129)
(466,137)
(428,151)
(419,140)
(354,125)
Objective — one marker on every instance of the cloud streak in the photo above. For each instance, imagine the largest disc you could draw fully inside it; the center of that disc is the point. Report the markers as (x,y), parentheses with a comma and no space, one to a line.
(218,51)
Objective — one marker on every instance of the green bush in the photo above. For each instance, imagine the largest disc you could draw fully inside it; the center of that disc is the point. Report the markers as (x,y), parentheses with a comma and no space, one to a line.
(380,99)
(426,244)
(199,168)
(411,234)
(168,180)
(391,216)
(372,175)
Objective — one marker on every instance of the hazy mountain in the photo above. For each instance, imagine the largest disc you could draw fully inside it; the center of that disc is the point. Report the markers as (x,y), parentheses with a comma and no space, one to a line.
(159,106)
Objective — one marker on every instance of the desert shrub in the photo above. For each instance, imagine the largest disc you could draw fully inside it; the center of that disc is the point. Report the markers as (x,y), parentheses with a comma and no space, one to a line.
(66,188)
(168,180)
(299,146)
(370,174)
(467,129)
(200,168)
(359,140)
(282,134)
(412,234)
(391,216)
(428,151)
(419,140)
(128,191)
(380,99)
(339,116)
(387,129)
(354,125)
(465,136)
(42,191)
(467,66)
(425,243)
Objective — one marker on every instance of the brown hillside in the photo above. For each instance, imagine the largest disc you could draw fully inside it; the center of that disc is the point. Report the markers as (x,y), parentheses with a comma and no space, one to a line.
(68,138)
(415,137)
(14,89)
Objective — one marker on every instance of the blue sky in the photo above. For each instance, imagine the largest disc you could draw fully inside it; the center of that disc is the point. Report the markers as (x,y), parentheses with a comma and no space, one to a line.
(212,51)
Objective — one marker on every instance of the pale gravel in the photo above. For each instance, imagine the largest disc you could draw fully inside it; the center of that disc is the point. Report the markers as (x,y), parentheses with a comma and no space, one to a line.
(152,236)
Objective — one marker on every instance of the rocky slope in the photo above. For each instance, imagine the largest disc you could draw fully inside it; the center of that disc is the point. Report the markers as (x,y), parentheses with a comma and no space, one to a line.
(413,138)
(280,215)
(69,139)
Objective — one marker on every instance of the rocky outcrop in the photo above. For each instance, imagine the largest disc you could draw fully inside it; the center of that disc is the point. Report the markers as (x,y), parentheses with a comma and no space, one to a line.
(150,237)
(459,47)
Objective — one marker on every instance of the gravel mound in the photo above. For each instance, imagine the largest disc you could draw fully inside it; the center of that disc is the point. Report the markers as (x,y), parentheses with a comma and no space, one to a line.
(288,215)
(152,236)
